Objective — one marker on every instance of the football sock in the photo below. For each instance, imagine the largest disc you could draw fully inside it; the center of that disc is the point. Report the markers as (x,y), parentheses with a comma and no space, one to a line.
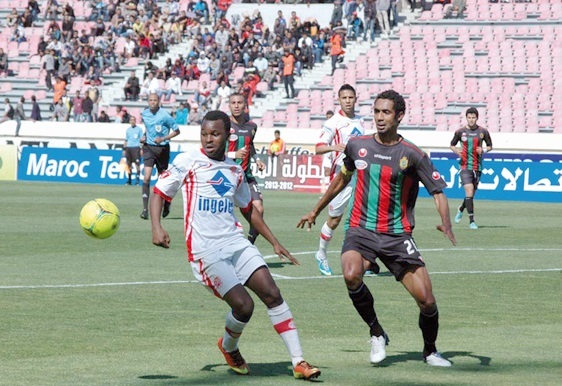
(365,305)
(253,234)
(470,208)
(325,237)
(129,178)
(463,205)
(282,320)
(429,325)
(145,194)
(232,330)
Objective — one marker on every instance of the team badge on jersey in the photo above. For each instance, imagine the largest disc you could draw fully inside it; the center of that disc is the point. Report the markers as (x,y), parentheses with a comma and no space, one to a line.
(220,183)
(217,282)
(362,152)
(164,174)
(403,164)
(360,164)
(481,135)
(463,137)
(435,175)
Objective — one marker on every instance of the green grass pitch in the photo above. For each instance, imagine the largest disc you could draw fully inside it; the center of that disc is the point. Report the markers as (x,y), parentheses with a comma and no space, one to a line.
(79,311)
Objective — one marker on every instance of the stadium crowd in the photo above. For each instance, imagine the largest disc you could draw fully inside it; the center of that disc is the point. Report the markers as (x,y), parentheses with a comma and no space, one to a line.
(233,55)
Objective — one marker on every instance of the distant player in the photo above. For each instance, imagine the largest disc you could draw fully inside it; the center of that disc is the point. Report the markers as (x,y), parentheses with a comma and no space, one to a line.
(472,138)
(241,149)
(337,130)
(132,149)
(222,259)
(160,128)
(387,170)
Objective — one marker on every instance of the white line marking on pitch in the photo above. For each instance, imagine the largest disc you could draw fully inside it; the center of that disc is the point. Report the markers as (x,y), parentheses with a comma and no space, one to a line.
(282,277)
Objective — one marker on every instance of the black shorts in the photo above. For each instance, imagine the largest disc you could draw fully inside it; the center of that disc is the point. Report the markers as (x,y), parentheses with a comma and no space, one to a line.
(470,177)
(133,155)
(255,190)
(398,253)
(156,155)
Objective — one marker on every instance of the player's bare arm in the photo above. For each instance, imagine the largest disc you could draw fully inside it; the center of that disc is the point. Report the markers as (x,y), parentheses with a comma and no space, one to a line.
(172,134)
(256,220)
(442,205)
(336,186)
(456,150)
(160,237)
(260,164)
(322,149)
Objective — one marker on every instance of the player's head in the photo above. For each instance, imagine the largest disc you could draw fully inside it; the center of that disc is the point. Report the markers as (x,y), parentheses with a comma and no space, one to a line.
(389,110)
(153,102)
(215,130)
(329,114)
(347,98)
(471,116)
(237,105)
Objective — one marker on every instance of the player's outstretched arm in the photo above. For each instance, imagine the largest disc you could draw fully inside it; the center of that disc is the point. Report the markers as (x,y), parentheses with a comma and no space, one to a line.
(160,237)
(443,208)
(256,220)
(336,186)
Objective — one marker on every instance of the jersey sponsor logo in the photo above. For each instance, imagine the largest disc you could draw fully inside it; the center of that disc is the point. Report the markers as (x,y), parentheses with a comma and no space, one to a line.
(221,205)
(435,175)
(360,164)
(403,164)
(355,133)
(381,156)
(362,152)
(220,183)
(233,137)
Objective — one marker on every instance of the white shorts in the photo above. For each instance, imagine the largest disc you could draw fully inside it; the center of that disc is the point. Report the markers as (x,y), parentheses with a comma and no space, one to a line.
(339,203)
(232,265)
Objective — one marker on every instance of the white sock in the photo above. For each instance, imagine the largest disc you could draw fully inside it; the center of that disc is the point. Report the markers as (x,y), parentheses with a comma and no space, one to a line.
(325,237)
(282,321)
(232,330)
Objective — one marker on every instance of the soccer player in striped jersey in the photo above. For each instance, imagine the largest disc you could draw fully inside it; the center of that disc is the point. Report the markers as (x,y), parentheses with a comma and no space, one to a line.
(472,138)
(241,149)
(387,170)
(221,258)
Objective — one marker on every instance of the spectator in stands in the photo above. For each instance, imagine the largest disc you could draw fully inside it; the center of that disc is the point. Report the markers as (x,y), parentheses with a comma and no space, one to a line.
(203,63)
(221,36)
(288,78)
(103,118)
(95,96)
(270,76)
(382,16)
(67,28)
(458,8)
(12,18)
(132,88)
(202,10)
(222,92)
(337,13)
(173,86)
(18,34)
(27,18)
(194,116)
(77,107)
(214,66)
(335,48)
(393,12)
(370,19)
(67,102)
(3,62)
(277,146)
(60,113)
(87,108)
(149,86)
(19,115)
(294,22)
(182,113)
(319,47)
(59,87)
(33,6)
(355,27)
(35,110)
(64,70)
(261,64)
(8,111)
(202,95)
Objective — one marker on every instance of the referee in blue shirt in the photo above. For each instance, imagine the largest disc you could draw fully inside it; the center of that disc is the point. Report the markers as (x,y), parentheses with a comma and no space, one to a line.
(132,149)
(160,128)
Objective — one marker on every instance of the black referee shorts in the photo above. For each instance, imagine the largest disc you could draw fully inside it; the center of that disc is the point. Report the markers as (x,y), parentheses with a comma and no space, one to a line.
(156,155)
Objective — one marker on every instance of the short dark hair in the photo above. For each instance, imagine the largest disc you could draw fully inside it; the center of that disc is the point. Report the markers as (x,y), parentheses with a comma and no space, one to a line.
(277,132)
(217,115)
(346,86)
(472,110)
(399,102)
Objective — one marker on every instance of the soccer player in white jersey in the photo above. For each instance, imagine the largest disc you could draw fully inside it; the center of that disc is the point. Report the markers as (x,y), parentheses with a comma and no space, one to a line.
(337,130)
(222,259)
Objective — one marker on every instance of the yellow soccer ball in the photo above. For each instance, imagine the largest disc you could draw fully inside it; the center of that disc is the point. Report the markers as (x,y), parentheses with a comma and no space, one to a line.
(100,218)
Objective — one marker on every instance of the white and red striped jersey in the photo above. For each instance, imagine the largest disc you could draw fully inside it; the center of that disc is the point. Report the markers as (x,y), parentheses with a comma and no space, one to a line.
(210,191)
(339,129)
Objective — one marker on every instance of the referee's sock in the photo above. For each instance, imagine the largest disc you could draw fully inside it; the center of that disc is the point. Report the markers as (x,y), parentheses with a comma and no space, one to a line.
(365,305)
(145,194)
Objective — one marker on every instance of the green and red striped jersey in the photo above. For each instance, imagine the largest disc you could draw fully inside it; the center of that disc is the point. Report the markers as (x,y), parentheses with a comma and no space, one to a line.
(471,139)
(242,135)
(386,182)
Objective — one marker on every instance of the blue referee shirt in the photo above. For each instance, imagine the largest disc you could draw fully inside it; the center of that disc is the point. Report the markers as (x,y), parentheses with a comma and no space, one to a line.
(157,125)
(133,136)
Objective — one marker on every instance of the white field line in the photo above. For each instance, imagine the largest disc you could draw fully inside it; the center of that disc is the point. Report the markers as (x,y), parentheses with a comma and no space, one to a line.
(283,277)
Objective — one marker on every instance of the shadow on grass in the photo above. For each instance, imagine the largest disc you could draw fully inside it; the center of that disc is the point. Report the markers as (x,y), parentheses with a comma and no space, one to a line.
(158,377)
(416,356)
(278,264)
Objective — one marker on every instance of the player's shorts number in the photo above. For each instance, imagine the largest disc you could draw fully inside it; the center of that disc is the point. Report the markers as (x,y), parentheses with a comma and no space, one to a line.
(411,247)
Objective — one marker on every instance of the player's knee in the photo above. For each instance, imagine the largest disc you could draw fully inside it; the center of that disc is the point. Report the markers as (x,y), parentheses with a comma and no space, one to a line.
(243,309)
(272,298)
(427,303)
(353,276)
